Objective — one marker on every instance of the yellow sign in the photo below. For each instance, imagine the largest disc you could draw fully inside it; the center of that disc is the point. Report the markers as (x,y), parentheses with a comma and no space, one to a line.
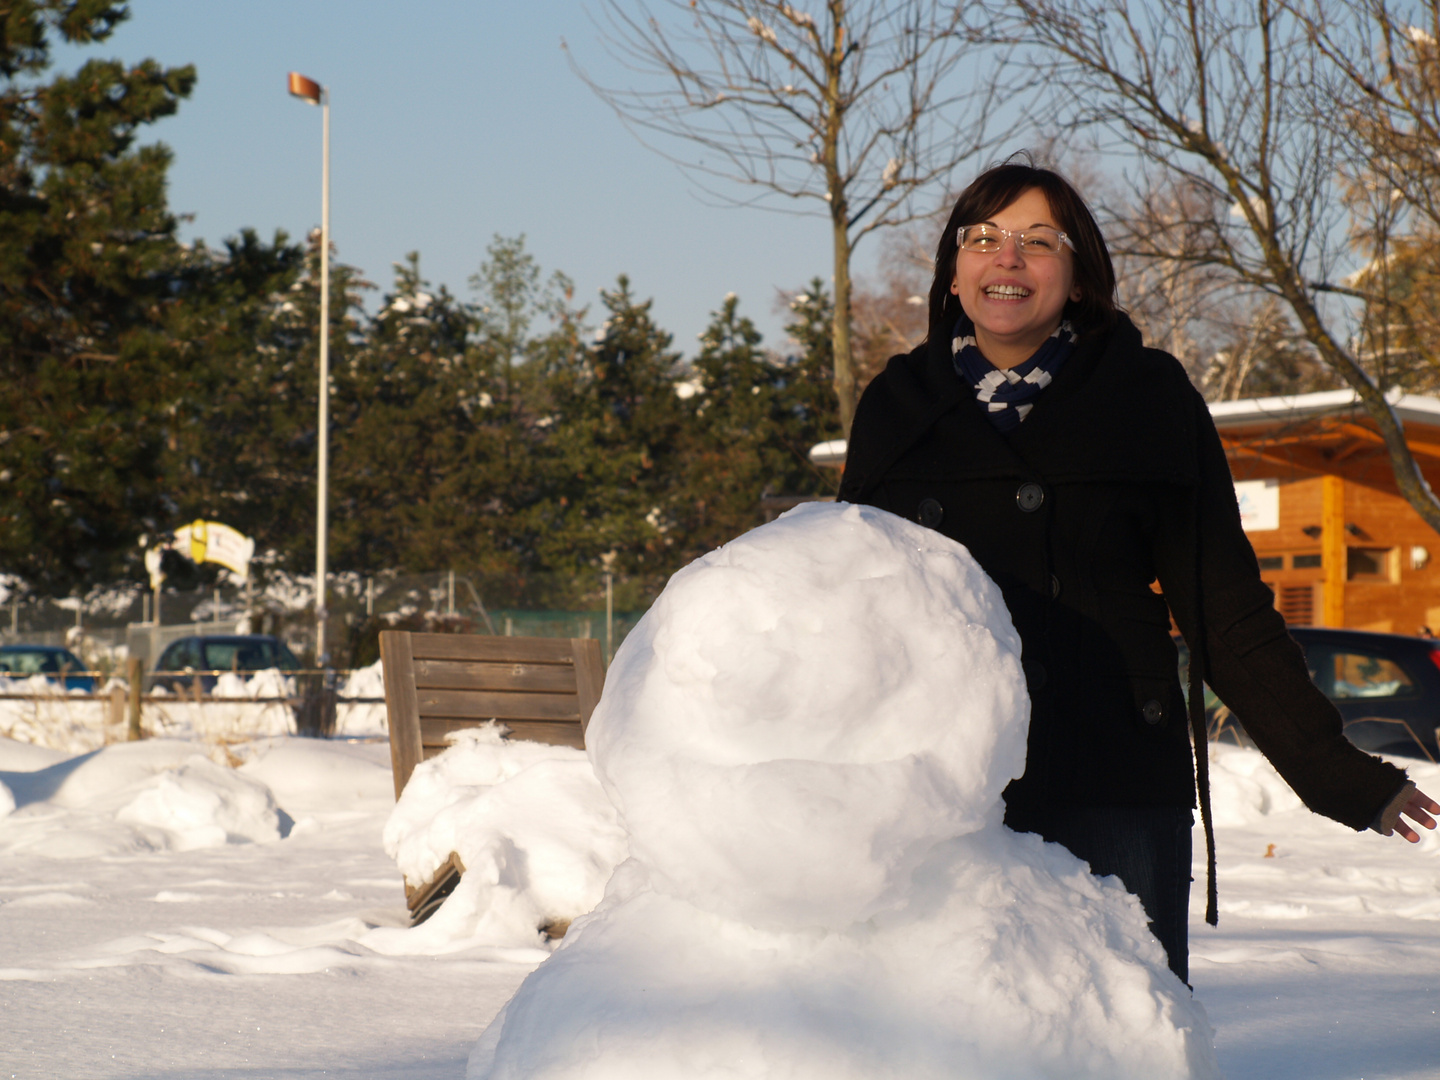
(210,541)
(207,541)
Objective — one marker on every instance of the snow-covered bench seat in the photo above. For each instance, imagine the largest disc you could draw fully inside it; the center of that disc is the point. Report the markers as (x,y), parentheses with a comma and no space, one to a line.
(542,689)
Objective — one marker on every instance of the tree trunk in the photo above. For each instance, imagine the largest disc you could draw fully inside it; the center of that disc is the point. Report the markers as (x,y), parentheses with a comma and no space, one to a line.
(839,219)
(844,361)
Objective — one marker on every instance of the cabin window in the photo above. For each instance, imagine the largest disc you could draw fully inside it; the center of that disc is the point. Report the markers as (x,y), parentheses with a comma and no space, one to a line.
(1369,564)
(1306,562)
(1272,562)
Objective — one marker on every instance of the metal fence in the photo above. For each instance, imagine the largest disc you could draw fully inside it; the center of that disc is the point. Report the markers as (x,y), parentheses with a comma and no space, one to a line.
(111,625)
(315,703)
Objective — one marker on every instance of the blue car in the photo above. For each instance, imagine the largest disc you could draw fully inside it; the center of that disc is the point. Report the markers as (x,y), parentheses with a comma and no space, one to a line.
(206,656)
(55,663)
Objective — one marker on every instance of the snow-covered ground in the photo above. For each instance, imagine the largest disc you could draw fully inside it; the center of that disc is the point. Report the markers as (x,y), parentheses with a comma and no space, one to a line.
(812,878)
(125,954)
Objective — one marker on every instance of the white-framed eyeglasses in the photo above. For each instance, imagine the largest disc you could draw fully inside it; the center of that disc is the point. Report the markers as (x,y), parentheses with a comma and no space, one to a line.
(1036,240)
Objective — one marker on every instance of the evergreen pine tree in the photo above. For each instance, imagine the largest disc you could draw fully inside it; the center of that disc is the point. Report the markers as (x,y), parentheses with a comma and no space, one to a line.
(241,429)
(807,413)
(732,412)
(406,491)
(614,460)
(233,386)
(755,418)
(87,258)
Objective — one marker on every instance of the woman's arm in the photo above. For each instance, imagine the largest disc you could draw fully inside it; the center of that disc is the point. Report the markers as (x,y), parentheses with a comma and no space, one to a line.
(1211,580)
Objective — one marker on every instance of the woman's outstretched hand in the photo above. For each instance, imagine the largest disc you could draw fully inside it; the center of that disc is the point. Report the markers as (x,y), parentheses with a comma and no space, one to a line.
(1419,809)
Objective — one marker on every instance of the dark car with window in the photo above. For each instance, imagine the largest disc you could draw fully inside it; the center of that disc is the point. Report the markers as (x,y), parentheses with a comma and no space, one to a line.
(208,656)
(51,661)
(1386,686)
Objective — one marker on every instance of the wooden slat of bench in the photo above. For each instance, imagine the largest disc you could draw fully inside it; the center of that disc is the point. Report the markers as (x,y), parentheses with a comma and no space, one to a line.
(484,647)
(422,900)
(482,675)
(433,732)
(589,676)
(496,705)
(401,707)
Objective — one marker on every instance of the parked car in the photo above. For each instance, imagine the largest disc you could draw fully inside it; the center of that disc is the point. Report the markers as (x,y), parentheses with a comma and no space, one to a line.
(1386,686)
(207,656)
(52,661)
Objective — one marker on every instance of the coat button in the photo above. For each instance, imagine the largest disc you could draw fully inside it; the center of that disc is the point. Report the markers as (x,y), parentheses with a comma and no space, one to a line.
(1152,711)
(1029,497)
(931,513)
(1054,586)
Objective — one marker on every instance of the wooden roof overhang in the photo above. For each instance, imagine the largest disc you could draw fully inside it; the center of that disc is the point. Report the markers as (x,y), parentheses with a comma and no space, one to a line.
(1325,433)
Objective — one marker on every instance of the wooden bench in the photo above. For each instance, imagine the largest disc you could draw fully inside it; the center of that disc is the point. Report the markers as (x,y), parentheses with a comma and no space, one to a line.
(542,689)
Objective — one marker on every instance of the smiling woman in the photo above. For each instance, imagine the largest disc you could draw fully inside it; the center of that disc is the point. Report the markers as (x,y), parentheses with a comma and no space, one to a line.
(1079,467)
(1013,276)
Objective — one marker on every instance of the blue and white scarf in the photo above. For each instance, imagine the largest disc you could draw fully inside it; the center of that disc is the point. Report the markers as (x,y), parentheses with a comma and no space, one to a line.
(1009,395)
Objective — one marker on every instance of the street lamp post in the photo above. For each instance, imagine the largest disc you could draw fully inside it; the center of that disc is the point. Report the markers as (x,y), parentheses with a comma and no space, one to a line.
(310,91)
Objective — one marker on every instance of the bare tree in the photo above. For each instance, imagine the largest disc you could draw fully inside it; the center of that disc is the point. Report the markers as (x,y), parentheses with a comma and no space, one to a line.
(1384,60)
(1233,102)
(847,112)
(1262,356)
(1387,62)
(1180,307)
(891,310)
(1397,339)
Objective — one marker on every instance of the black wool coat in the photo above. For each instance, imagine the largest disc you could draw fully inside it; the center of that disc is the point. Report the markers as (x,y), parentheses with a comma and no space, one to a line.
(1115,480)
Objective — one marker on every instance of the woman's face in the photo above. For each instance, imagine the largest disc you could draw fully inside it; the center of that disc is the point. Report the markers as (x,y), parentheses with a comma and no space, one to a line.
(1014,300)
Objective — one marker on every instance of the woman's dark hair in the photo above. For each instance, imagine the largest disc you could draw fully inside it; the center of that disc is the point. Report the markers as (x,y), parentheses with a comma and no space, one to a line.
(993,190)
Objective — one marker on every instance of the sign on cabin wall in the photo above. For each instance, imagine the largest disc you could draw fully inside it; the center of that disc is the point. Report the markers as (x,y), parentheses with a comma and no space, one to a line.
(1259,504)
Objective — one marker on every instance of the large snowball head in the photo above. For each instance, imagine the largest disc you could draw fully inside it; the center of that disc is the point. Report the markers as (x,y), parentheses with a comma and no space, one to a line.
(804,713)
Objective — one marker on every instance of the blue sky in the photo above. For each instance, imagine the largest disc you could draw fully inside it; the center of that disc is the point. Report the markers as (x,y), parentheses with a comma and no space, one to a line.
(451,122)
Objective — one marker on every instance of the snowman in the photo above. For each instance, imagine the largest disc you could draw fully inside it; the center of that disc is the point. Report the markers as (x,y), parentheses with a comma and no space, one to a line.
(806,739)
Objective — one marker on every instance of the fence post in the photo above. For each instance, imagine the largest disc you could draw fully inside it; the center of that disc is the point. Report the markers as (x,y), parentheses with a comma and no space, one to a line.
(116,719)
(133,675)
(315,711)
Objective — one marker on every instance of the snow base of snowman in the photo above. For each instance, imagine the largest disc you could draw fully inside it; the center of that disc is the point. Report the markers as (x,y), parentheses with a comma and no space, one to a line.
(806,739)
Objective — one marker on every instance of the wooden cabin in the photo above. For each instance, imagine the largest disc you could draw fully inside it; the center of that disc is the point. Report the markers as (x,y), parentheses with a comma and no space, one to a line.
(1335,540)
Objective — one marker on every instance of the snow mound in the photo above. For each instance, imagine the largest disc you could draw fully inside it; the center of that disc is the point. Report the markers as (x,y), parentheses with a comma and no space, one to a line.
(535,833)
(271,682)
(1244,787)
(363,718)
(807,738)
(154,795)
(319,775)
(242,707)
(857,697)
(202,804)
